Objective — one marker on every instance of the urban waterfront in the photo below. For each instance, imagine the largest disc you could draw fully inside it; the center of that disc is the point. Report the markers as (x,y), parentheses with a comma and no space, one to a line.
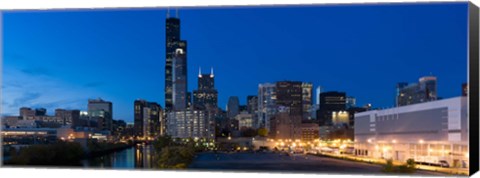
(136,157)
(262,109)
(140,157)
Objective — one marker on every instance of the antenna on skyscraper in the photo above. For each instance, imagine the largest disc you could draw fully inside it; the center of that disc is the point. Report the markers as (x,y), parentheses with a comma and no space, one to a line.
(168,12)
(211,72)
(176,12)
(199,71)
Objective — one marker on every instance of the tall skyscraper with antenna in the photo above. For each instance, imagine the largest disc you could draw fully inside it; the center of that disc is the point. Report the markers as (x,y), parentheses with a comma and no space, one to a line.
(206,94)
(173,43)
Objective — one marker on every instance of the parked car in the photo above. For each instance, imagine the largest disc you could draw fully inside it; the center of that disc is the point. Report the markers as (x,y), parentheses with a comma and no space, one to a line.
(444,163)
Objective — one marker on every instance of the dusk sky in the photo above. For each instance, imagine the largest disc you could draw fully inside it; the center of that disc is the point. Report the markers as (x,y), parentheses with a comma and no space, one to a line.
(60,59)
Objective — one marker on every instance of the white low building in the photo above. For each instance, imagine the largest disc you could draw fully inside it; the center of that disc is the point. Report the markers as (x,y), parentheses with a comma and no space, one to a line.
(426,132)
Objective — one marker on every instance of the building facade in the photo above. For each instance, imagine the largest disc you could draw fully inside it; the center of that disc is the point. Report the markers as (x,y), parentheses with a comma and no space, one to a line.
(245,120)
(307,92)
(330,102)
(426,132)
(148,119)
(179,82)
(69,117)
(289,94)
(172,37)
(101,111)
(191,124)
(252,104)
(423,91)
(284,125)
(233,107)
(206,94)
(266,105)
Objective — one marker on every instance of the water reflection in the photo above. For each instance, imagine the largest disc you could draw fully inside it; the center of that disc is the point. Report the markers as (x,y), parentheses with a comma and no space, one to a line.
(139,157)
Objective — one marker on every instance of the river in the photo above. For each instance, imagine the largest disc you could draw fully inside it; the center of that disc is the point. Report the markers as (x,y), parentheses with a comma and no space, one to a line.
(136,157)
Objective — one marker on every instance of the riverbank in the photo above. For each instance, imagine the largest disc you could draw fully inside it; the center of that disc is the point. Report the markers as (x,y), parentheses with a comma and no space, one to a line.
(106,148)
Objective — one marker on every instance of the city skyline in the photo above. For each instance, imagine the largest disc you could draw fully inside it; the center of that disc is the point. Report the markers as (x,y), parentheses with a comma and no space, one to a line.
(94,71)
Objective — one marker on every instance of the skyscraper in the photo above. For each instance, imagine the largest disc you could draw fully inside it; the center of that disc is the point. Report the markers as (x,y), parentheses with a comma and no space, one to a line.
(173,42)
(206,94)
(233,107)
(423,91)
(101,110)
(179,94)
(266,104)
(289,94)
(252,104)
(319,90)
(307,91)
(330,102)
(148,119)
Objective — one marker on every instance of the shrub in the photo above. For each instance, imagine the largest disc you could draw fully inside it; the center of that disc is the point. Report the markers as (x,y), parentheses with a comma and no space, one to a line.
(388,167)
(175,157)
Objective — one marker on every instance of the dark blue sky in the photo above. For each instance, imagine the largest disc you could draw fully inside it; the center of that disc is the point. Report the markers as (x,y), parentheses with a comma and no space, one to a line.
(59,59)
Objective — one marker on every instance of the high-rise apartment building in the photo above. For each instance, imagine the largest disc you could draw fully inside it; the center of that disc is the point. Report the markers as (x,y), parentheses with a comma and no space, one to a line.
(148,119)
(266,104)
(423,91)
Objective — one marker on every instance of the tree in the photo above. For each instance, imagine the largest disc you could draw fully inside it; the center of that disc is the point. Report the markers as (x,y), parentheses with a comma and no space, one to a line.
(176,157)
(262,132)
(162,141)
(58,154)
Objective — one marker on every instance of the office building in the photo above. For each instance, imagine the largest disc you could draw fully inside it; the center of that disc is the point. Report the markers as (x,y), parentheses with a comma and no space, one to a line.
(284,125)
(309,131)
(27,113)
(330,102)
(426,132)
(307,93)
(206,94)
(173,44)
(289,94)
(350,102)
(245,120)
(266,105)
(179,82)
(68,117)
(233,107)
(340,118)
(148,119)
(252,104)
(318,91)
(423,91)
(101,111)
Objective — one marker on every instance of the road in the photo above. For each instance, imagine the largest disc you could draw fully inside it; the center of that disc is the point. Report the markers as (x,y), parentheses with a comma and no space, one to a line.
(276,162)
